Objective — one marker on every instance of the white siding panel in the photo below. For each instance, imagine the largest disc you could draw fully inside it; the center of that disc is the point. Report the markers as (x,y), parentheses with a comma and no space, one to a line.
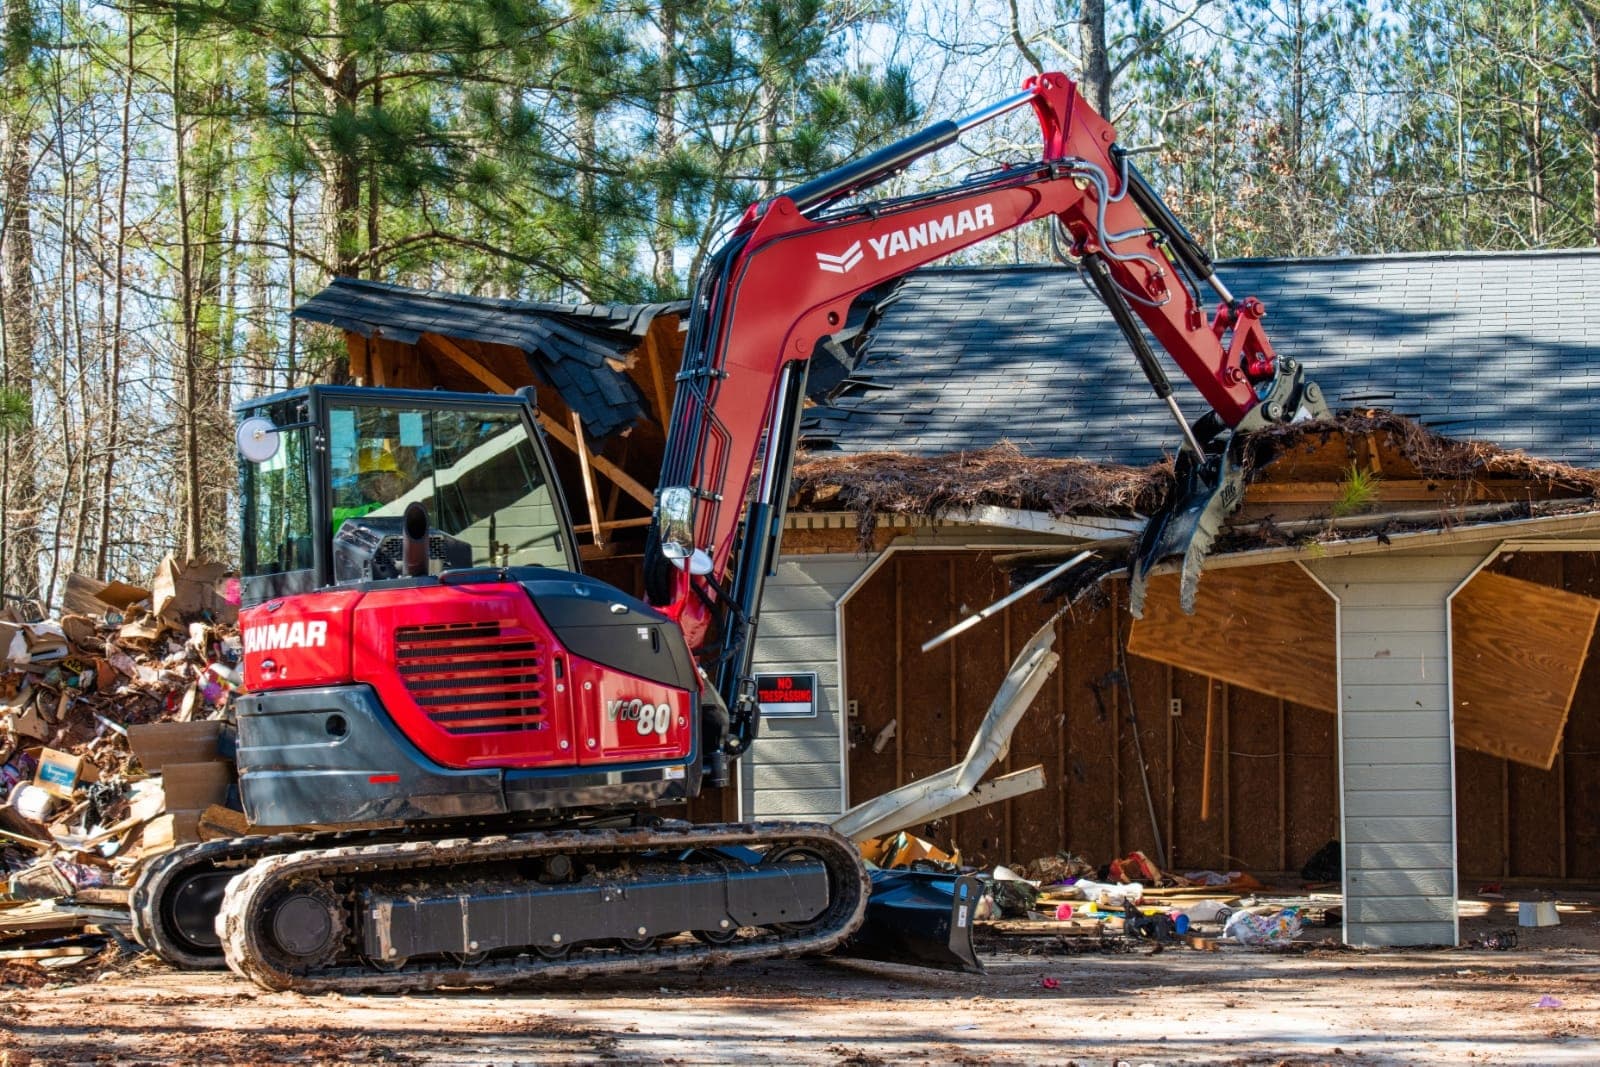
(1389,857)
(794,769)
(1398,934)
(1384,670)
(810,805)
(1394,802)
(1383,777)
(1397,752)
(1402,908)
(798,623)
(1397,698)
(1433,884)
(798,775)
(1396,756)
(1389,644)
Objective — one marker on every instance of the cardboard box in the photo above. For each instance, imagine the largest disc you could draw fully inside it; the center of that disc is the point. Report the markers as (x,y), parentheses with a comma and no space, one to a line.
(157,744)
(172,829)
(58,773)
(184,591)
(196,786)
(90,596)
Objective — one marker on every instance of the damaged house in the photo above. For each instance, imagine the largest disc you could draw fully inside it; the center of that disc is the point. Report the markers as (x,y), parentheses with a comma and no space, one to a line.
(1390,644)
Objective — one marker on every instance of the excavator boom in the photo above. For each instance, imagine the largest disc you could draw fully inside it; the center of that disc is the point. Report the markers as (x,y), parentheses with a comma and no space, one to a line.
(786,280)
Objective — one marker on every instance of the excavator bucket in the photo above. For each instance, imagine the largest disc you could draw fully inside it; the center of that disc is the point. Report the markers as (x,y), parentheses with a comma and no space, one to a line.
(923,918)
(1207,491)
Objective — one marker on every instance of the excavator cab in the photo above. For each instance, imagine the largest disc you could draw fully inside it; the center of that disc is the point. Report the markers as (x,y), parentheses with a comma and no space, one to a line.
(328,475)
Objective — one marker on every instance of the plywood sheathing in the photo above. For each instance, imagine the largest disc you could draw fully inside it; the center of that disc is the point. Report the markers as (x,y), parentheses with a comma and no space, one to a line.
(1518,651)
(1269,629)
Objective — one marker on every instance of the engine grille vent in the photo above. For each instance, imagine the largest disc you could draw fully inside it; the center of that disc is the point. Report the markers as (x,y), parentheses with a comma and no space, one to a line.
(474,677)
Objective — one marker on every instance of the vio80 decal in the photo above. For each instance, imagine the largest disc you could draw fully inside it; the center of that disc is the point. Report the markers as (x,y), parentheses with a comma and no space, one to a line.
(650,718)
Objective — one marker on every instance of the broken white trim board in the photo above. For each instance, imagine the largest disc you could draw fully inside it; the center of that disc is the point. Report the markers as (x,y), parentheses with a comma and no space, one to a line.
(917,802)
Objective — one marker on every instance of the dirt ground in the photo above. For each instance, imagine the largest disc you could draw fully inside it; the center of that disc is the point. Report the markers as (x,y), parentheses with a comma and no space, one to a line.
(1306,1005)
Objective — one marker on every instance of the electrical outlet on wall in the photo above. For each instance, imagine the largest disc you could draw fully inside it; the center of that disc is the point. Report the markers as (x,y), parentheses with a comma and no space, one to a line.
(1175,706)
(852,708)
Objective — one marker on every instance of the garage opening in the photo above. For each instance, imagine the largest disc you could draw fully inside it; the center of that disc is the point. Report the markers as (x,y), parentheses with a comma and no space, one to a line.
(1238,778)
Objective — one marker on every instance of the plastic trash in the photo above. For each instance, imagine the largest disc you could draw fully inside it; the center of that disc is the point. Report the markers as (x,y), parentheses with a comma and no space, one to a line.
(1276,928)
(1108,893)
(1207,911)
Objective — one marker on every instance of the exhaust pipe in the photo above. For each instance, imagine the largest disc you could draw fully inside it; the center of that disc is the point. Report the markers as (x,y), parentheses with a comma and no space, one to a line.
(414,554)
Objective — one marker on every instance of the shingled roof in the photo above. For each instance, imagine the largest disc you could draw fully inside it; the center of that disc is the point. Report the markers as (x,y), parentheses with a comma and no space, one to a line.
(566,345)
(1503,347)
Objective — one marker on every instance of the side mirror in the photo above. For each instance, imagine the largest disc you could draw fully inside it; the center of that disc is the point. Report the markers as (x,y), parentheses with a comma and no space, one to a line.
(257,439)
(675,524)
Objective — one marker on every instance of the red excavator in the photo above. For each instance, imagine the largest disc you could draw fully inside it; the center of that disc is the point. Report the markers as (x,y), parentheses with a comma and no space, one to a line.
(483,738)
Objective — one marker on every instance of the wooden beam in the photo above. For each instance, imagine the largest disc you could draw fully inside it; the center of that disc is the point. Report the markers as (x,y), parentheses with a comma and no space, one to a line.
(1226,714)
(1171,782)
(356,345)
(658,378)
(444,346)
(1205,764)
(617,524)
(1062,797)
(1116,732)
(589,491)
(1283,792)
(1388,492)
(899,675)
(621,477)
(473,366)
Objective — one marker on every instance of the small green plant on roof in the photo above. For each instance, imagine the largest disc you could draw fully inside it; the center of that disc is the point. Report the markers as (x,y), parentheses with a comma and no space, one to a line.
(1357,493)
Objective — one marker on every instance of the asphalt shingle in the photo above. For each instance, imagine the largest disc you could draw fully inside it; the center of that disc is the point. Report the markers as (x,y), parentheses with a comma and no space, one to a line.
(1501,347)
(566,345)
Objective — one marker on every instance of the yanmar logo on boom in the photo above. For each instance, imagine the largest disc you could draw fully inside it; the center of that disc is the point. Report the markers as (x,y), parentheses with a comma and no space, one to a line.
(269,638)
(922,235)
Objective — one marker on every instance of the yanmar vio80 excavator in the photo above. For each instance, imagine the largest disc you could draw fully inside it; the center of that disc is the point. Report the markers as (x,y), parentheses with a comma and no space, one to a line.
(423,652)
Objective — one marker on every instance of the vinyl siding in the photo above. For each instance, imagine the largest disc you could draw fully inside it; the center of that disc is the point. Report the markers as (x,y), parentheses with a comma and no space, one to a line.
(794,771)
(1396,755)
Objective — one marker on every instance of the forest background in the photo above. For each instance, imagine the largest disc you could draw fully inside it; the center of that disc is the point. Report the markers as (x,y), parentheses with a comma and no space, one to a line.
(176,174)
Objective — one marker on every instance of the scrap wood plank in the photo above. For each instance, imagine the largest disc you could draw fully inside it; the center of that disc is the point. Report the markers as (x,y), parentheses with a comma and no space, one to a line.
(1518,651)
(1278,611)
(51,953)
(106,896)
(1054,927)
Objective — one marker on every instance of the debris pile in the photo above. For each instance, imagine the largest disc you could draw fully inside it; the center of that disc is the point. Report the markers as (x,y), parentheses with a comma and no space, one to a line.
(1062,902)
(113,748)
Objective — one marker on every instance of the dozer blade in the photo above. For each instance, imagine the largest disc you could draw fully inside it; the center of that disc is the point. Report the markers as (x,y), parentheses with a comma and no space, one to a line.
(1208,491)
(921,918)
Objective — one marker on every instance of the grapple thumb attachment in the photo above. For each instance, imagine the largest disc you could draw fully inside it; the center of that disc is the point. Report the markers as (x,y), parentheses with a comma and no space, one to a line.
(1208,489)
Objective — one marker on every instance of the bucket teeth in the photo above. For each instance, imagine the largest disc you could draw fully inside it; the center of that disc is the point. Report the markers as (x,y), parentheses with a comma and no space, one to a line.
(1209,490)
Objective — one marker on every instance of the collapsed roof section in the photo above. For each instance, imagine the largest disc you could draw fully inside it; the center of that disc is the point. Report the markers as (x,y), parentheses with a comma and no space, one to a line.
(577,349)
(1360,474)
(1496,347)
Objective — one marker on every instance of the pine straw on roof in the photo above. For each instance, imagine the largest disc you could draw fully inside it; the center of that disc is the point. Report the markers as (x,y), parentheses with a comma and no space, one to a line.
(895,483)
(1433,455)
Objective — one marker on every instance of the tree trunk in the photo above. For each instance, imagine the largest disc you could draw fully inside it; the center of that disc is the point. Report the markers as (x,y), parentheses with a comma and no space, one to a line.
(663,273)
(1095,77)
(19,528)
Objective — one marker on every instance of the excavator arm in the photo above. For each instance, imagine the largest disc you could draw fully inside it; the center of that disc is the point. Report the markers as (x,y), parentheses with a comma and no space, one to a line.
(786,279)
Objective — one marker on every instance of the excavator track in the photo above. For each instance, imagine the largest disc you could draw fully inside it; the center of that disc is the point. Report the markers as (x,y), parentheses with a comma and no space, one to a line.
(485,912)
(175,900)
